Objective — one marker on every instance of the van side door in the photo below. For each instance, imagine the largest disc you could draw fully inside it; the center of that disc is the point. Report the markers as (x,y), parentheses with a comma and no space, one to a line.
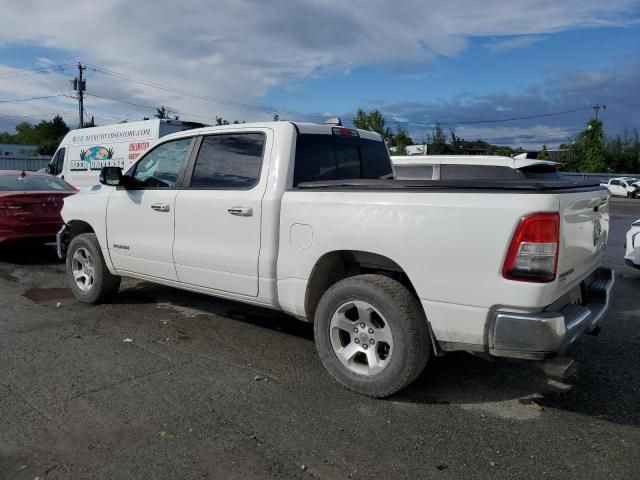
(218,212)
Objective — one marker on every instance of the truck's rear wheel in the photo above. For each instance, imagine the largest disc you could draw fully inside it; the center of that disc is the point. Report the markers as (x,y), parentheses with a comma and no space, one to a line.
(371,334)
(87,274)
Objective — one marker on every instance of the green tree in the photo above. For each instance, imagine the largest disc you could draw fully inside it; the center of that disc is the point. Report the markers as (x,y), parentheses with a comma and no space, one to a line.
(543,154)
(47,135)
(161,113)
(589,146)
(437,141)
(401,141)
(501,150)
(373,121)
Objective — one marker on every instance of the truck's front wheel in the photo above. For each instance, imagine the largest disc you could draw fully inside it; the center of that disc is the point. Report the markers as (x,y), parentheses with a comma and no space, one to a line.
(371,334)
(88,275)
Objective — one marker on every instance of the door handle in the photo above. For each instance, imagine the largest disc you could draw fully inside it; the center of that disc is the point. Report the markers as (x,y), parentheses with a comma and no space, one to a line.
(160,207)
(241,211)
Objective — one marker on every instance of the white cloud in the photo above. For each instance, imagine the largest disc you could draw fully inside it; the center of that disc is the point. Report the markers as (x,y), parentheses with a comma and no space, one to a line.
(238,49)
(506,45)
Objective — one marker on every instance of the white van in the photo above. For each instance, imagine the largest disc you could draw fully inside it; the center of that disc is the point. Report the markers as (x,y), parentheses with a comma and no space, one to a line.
(83,152)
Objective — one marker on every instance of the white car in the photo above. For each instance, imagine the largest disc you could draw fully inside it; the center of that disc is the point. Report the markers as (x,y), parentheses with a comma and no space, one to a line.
(623,187)
(632,245)
(303,218)
(481,167)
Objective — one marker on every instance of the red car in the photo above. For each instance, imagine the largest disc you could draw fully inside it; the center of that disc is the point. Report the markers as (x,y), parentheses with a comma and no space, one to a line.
(30,205)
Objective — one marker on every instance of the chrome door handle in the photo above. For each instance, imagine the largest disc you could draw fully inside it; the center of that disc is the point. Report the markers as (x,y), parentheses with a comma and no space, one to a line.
(241,211)
(160,207)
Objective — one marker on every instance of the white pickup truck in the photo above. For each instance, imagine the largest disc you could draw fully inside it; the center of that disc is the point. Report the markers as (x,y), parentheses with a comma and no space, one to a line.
(623,187)
(305,219)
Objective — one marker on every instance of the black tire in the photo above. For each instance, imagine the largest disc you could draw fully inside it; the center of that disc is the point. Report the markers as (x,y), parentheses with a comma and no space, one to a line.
(104,285)
(400,309)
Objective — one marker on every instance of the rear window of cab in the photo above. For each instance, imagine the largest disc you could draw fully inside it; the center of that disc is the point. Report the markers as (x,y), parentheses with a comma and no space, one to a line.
(321,157)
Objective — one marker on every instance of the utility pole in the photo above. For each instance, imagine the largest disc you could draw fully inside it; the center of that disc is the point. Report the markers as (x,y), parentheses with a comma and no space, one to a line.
(80,86)
(596,108)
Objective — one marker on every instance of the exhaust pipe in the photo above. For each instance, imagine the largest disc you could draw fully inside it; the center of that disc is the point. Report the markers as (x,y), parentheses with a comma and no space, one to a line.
(558,368)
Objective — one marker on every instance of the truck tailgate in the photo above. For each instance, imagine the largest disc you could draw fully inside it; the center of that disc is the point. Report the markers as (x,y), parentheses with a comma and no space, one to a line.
(584,228)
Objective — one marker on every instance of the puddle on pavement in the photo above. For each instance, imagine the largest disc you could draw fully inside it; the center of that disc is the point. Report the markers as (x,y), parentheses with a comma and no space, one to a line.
(41,295)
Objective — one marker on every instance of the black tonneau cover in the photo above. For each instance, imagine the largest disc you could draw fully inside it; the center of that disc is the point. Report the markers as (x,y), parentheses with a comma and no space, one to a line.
(469,185)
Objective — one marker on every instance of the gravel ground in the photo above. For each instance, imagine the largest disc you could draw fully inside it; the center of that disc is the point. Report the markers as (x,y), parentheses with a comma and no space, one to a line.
(215,389)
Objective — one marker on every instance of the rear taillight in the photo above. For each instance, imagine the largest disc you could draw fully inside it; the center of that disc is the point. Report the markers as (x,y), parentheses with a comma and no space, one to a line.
(533,252)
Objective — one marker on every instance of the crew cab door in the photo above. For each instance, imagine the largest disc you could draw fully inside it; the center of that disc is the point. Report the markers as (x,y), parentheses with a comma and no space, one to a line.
(140,218)
(218,212)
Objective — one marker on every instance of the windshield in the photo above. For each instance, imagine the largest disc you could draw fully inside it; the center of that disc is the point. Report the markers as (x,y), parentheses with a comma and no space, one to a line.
(18,183)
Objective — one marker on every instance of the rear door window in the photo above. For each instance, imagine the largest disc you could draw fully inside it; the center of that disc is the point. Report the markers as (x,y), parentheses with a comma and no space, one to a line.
(229,161)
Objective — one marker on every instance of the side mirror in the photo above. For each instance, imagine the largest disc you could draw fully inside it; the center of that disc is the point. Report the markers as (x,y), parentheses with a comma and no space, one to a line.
(111,176)
(50,169)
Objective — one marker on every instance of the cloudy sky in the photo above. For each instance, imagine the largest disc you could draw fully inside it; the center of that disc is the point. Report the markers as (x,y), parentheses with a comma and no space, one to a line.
(464,63)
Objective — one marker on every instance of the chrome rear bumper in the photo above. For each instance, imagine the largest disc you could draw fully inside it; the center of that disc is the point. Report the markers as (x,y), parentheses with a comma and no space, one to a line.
(538,335)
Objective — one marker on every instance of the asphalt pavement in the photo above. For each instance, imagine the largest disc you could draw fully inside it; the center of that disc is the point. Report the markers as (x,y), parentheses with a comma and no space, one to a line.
(165,384)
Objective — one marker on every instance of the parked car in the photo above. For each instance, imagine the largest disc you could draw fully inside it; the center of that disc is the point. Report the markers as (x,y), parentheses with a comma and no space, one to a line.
(455,167)
(632,245)
(623,186)
(83,152)
(30,205)
(302,218)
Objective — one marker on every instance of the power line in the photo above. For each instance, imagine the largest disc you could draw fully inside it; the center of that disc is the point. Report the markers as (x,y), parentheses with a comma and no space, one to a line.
(223,101)
(475,122)
(34,98)
(513,119)
(150,107)
(35,71)
(36,115)
(120,101)
(531,138)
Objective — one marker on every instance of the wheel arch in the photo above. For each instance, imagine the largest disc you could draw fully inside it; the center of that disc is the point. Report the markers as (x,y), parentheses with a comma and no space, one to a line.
(336,265)
(73,229)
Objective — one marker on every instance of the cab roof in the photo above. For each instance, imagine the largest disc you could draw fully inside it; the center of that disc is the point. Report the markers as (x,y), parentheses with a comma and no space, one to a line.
(301,127)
